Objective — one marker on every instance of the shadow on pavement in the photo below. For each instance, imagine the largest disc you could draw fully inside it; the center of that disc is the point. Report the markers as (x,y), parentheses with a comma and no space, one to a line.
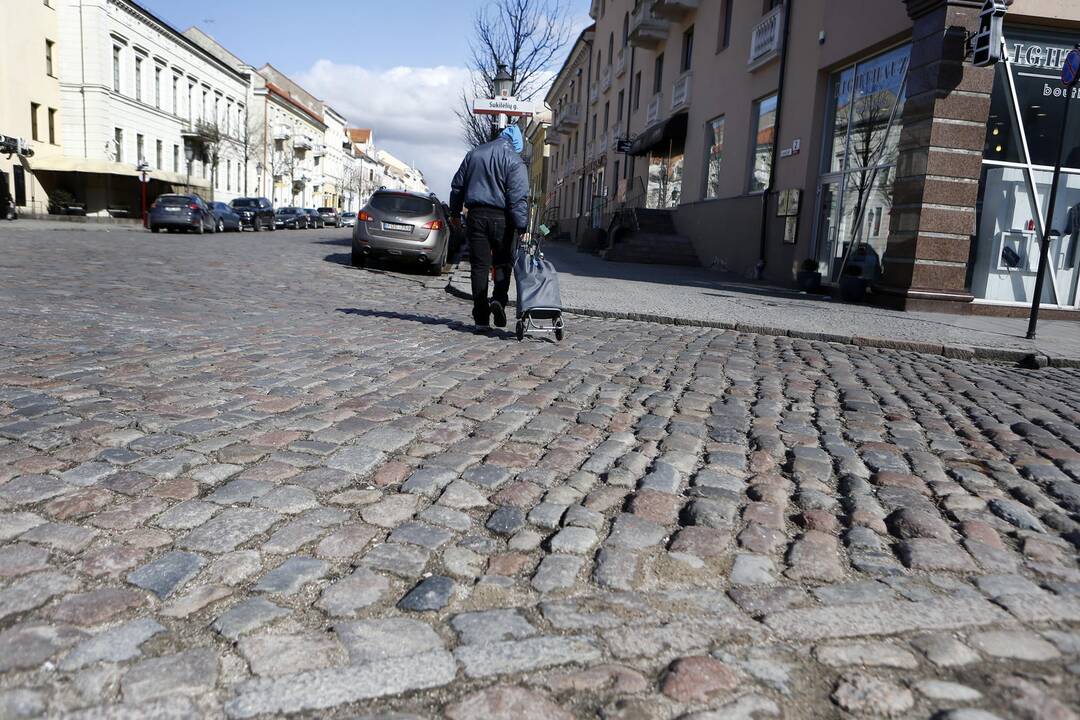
(338,241)
(455,325)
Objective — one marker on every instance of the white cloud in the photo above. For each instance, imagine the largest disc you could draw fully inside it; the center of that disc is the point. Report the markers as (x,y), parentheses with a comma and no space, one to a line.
(411,110)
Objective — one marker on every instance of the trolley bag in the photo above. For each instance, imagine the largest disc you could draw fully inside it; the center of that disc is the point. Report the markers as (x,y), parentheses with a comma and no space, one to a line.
(537,284)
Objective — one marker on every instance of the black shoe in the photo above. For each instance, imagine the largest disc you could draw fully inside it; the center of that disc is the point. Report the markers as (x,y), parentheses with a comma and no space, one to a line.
(498,313)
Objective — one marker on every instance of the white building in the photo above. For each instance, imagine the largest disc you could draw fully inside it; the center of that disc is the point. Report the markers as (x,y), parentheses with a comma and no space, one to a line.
(337,159)
(367,174)
(135,91)
(294,128)
(400,175)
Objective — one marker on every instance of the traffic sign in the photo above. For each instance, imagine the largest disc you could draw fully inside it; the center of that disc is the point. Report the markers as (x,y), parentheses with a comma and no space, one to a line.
(502,106)
(1070,72)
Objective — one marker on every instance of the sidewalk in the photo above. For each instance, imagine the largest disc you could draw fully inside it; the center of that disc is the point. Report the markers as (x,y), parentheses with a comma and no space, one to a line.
(69,223)
(661,293)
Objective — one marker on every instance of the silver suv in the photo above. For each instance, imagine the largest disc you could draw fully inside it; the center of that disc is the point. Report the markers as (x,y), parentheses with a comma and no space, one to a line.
(402,225)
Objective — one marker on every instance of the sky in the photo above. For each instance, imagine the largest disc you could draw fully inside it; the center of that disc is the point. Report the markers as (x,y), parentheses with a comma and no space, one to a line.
(397,66)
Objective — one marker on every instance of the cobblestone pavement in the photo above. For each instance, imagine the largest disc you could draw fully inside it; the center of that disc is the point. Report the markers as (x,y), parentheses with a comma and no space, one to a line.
(239,478)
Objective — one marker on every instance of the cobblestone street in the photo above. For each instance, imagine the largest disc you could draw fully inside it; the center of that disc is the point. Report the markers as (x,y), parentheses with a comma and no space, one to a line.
(239,478)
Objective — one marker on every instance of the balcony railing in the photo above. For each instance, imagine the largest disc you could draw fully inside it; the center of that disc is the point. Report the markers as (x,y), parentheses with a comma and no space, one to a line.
(318,150)
(614,141)
(568,119)
(766,39)
(620,63)
(303,142)
(605,79)
(594,93)
(647,31)
(680,92)
(653,112)
(673,9)
(281,133)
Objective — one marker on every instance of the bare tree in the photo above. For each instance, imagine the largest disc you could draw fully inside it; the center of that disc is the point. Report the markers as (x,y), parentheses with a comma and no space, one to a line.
(208,141)
(251,142)
(528,37)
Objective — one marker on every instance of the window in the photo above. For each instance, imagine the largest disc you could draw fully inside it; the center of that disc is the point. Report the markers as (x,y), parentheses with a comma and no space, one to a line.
(637,90)
(626,29)
(228,174)
(190,96)
(619,107)
(658,73)
(599,63)
(205,104)
(714,156)
(49,44)
(159,158)
(176,158)
(607,115)
(116,68)
(52,126)
(157,87)
(723,38)
(138,78)
(140,148)
(175,95)
(764,139)
(118,141)
(687,48)
(592,128)
(610,47)
(34,107)
(771,5)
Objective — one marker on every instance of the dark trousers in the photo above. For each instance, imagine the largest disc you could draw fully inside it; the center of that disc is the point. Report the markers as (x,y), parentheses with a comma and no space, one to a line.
(491,244)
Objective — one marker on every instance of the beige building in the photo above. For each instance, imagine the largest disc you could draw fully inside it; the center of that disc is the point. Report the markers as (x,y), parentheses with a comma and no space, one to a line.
(536,140)
(29,100)
(853,136)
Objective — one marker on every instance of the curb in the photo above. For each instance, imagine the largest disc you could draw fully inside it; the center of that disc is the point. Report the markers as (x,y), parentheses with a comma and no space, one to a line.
(1022,358)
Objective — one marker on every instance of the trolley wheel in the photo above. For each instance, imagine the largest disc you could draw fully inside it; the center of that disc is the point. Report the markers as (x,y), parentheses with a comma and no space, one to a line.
(520,329)
(558,334)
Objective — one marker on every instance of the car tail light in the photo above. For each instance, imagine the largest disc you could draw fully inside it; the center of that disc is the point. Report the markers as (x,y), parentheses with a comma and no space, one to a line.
(363,217)
(193,206)
(434,225)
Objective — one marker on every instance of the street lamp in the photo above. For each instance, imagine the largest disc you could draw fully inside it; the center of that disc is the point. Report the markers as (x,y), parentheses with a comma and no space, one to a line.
(504,85)
(189,155)
(258,174)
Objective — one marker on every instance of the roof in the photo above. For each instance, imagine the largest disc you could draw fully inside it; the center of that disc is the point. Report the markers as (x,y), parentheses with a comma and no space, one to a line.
(360,135)
(582,39)
(183,39)
(281,93)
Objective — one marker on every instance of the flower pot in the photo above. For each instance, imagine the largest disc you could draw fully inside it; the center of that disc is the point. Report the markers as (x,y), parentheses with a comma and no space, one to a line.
(852,288)
(808,280)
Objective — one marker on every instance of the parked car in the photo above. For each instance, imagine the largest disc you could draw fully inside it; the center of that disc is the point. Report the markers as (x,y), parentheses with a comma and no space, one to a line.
(330,217)
(225,218)
(315,219)
(290,218)
(348,219)
(402,225)
(189,213)
(256,213)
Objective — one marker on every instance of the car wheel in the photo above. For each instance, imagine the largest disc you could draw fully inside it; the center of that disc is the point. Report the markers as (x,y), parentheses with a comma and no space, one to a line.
(220,226)
(200,230)
(256,225)
(358,258)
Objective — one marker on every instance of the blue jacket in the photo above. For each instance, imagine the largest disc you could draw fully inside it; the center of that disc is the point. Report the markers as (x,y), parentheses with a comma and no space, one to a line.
(493,174)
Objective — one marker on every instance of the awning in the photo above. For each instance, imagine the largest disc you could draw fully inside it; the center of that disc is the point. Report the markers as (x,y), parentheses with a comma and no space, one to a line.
(674,128)
(106,167)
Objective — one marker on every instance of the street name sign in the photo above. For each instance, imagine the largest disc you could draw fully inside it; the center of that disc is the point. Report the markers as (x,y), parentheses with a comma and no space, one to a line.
(502,106)
(1070,71)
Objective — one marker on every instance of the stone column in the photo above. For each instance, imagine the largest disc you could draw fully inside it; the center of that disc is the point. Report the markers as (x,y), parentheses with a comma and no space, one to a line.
(940,162)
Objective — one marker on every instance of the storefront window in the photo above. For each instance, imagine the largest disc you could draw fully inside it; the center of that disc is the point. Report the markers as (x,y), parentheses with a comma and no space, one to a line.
(764,142)
(862,144)
(665,180)
(714,156)
(1022,142)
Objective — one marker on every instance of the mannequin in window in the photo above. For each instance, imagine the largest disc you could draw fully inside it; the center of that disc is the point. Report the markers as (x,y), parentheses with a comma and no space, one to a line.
(1072,231)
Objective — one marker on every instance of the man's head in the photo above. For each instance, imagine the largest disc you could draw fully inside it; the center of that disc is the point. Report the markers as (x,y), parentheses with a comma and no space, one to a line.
(513,134)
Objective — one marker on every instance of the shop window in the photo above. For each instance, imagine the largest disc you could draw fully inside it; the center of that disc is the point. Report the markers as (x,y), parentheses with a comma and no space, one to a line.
(764,141)
(714,156)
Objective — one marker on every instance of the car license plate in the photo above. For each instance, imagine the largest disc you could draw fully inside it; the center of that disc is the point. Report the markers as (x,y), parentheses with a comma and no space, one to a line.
(397,226)
(172,209)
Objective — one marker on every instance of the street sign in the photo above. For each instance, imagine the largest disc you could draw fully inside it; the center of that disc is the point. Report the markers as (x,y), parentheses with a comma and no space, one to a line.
(986,43)
(624,146)
(1070,72)
(502,106)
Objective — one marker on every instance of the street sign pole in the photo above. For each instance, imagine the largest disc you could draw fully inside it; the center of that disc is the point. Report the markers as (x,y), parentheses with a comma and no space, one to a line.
(1070,73)
(144,183)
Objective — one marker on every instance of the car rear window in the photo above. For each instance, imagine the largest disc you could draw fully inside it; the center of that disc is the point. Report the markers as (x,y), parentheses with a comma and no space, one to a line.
(326,209)
(174,200)
(287,211)
(401,204)
(245,202)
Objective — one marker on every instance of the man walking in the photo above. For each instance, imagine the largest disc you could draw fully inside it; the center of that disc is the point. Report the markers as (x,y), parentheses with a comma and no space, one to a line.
(493,184)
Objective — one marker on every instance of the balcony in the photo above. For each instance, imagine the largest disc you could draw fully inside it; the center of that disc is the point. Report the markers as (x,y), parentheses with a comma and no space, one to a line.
(614,141)
(647,31)
(680,92)
(767,37)
(319,150)
(673,9)
(620,63)
(653,112)
(594,93)
(281,132)
(303,142)
(568,119)
(605,79)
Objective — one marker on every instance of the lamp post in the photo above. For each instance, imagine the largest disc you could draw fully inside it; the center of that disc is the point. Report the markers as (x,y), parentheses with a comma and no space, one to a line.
(143,167)
(189,155)
(258,176)
(504,85)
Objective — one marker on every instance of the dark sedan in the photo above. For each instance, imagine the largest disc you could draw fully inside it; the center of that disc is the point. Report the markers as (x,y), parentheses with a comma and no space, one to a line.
(314,219)
(225,218)
(290,218)
(189,213)
(256,213)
